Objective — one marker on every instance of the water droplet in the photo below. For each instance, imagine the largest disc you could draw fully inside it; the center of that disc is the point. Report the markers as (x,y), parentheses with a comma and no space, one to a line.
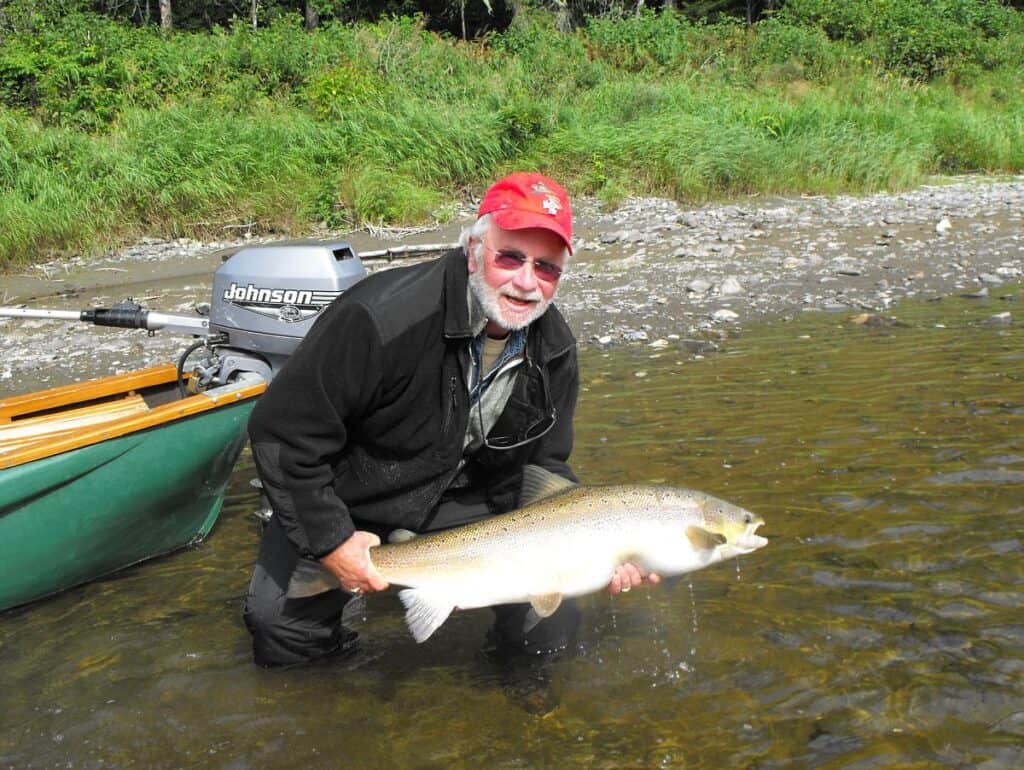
(694,624)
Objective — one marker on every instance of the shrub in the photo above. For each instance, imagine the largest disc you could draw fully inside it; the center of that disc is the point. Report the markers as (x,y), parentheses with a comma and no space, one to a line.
(378,195)
(338,92)
(779,43)
(77,74)
(641,41)
(917,38)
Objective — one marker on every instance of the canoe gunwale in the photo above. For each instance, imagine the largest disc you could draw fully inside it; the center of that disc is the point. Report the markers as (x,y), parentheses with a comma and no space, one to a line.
(24,404)
(249,387)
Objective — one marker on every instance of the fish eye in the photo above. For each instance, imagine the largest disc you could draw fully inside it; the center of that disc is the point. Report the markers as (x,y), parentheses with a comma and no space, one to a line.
(748,518)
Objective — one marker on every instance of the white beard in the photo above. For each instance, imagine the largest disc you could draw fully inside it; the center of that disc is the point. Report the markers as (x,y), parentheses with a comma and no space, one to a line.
(489,297)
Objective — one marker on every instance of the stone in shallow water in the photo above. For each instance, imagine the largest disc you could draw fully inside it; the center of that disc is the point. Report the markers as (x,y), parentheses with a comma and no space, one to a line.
(1012,724)
(978,476)
(731,285)
(999,319)
(980,294)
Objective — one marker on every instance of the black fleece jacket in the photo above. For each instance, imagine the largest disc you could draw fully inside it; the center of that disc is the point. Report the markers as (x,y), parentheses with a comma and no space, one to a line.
(364,426)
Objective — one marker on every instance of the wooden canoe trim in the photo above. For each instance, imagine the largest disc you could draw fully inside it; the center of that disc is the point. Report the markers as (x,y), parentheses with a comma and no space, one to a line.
(176,410)
(89,390)
(53,424)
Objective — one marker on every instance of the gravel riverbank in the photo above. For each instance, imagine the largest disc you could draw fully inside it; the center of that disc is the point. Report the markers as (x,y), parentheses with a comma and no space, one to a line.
(649,273)
(653,270)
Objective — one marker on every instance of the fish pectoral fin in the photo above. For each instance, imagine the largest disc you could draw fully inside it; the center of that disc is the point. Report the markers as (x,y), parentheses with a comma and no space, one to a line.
(424,612)
(531,620)
(545,604)
(541,606)
(310,578)
(703,539)
(540,484)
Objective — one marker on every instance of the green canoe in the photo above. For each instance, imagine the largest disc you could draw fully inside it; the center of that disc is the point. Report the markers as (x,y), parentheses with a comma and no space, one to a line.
(100,475)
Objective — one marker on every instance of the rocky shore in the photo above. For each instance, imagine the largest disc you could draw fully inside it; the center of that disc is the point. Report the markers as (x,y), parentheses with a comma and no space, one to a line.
(650,272)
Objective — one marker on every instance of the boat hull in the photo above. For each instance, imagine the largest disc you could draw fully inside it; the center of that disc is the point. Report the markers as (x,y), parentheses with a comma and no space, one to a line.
(80,514)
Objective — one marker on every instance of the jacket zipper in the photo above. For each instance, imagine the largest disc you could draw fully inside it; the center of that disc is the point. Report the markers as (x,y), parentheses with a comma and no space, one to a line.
(453,385)
(452,403)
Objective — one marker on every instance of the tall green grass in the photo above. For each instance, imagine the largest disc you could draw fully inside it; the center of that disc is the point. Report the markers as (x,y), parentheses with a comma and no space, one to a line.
(107,133)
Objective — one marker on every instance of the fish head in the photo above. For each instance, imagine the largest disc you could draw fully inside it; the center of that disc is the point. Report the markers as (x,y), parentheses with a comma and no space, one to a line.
(696,530)
(735,526)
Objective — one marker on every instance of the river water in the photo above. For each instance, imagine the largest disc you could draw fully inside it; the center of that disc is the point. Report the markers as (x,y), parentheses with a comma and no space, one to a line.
(880,628)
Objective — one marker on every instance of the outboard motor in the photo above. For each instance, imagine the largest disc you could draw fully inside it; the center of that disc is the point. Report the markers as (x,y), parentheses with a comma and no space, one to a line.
(266,297)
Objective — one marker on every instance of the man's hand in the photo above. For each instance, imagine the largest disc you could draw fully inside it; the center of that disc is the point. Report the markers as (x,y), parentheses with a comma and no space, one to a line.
(350,563)
(629,576)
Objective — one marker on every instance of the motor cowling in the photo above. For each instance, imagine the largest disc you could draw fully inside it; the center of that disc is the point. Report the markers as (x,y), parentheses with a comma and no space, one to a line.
(266,297)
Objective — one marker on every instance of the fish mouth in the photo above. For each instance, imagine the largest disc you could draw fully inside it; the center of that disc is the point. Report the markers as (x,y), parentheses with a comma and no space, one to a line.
(749,540)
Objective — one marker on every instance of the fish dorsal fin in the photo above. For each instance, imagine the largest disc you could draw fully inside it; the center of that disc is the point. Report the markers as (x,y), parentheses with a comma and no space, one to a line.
(401,536)
(424,612)
(703,539)
(545,604)
(540,484)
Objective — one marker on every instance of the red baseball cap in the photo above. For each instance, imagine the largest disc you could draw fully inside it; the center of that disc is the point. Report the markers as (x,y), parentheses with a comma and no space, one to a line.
(523,200)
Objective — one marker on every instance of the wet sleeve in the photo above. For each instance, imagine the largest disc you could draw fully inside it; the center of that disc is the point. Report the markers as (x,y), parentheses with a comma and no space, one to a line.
(301,424)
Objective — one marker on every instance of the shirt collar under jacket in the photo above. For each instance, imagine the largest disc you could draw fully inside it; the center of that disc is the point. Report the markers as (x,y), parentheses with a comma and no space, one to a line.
(513,350)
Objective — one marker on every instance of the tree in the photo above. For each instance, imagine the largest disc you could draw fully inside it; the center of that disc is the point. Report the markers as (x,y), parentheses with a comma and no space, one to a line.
(166,21)
(563,17)
(312,18)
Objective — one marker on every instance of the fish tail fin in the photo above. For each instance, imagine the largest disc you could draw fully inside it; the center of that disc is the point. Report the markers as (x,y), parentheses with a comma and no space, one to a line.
(310,578)
(424,612)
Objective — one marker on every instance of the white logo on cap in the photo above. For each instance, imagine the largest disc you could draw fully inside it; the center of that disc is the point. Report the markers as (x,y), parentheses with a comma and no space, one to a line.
(552,205)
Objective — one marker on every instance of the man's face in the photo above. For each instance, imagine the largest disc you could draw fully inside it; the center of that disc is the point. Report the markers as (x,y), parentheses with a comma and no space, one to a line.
(507,281)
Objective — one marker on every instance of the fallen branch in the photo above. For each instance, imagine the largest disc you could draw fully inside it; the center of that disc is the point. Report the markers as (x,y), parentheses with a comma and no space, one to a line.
(384,232)
(410,250)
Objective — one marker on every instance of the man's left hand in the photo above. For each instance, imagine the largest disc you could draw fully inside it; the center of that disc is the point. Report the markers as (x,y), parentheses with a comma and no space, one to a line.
(629,576)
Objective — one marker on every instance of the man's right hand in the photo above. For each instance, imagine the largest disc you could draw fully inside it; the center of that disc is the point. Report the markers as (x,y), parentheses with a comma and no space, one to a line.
(350,563)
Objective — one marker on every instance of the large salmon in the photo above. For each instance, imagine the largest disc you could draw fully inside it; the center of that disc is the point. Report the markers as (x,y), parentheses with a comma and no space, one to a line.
(567,542)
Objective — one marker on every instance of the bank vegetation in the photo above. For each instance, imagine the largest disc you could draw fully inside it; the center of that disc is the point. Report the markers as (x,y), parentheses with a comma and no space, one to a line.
(112,127)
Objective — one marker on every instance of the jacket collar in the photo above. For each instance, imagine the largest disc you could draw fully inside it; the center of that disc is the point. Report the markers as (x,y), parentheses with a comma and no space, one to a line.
(463,317)
(550,336)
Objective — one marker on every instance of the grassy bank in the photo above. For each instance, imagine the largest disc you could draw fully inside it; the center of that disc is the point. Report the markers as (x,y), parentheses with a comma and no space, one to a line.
(109,132)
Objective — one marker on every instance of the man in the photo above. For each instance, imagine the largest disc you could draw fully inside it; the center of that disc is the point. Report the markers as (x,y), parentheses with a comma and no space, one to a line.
(414,403)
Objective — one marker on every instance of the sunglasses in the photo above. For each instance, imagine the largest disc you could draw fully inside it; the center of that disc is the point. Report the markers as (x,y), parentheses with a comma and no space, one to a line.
(531,432)
(514,260)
